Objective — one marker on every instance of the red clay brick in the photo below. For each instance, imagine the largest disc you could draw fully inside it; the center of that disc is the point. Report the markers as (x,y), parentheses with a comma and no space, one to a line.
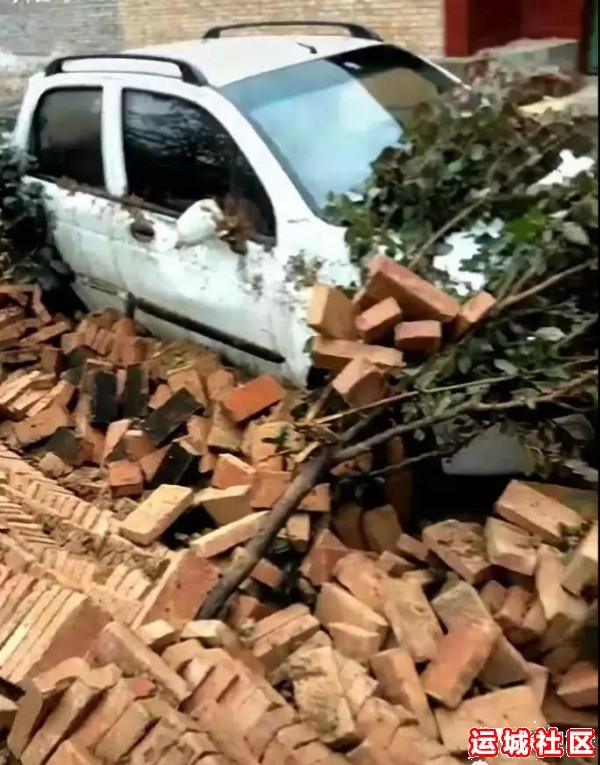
(473,311)
(318,565)
(246,401)
(382,529)
(232,471)
(336,354)
(180,591)
(400,684)
(154,515)
(268,487)
(70,753)
(70,710)
(412,620)
(360,383)
(331,313)
(125,478)
(378,321)
(460,657)
(461,547)
(320,697)
(336,605)
(42,426)
(117,643)
(223,539)
(416,297)
(418,336)
(536,513)
(226,505)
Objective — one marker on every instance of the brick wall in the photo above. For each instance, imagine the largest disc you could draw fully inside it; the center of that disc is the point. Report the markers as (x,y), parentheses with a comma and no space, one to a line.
(40,27)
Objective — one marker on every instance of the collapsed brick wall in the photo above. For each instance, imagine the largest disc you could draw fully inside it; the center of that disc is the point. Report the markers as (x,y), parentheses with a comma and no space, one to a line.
(41,27)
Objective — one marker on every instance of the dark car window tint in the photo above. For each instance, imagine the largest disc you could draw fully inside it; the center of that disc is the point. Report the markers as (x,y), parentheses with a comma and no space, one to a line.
(66,137)
(176,153)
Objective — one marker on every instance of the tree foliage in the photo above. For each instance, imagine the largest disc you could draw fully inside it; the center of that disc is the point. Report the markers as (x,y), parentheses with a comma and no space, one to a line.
(532,365)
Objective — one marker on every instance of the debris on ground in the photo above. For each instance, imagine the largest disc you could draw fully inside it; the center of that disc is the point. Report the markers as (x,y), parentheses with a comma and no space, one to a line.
(132,475)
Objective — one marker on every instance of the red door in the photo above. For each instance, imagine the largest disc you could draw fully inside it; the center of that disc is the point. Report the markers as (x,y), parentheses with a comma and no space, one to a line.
(552,18)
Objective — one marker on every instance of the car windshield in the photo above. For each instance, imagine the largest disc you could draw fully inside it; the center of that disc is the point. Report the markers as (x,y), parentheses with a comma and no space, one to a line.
(327,120)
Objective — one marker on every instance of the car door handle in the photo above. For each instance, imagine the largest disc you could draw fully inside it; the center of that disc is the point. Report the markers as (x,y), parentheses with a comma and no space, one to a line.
(142,231)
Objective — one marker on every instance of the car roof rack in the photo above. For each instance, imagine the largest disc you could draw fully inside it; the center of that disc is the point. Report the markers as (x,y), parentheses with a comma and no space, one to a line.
(356,30)
(187,72)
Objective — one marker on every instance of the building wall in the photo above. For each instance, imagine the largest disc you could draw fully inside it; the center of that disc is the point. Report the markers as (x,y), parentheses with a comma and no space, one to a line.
(42,27)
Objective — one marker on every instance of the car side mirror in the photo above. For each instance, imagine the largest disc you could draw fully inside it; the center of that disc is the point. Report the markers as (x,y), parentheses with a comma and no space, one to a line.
(198,224)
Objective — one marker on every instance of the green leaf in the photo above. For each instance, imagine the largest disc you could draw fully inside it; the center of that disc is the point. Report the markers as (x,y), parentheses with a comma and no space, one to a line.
(552,334)
(575,233)
(506,366)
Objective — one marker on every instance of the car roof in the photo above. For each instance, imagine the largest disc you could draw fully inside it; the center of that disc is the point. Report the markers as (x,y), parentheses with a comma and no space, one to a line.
(230,59)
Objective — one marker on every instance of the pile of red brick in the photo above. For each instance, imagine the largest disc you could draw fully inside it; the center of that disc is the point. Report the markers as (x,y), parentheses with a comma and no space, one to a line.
(406,642)
(397,313)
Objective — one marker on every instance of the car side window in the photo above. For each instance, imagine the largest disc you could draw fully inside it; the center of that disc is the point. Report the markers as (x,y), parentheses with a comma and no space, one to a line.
(177,153)
(66,136)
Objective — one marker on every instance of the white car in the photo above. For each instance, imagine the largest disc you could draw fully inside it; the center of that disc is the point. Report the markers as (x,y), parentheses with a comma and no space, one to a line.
(132,149)
(135,149)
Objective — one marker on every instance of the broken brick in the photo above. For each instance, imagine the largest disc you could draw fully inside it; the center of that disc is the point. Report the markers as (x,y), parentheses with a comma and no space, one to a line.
(473,311)
(413,622)
(381,528)
(225,505)
(360,383)
(578,687)
(42,426)
(461,547)
(336,354)
(246,401)
(125,478)
(460,657)
(418,337)
(320,697)
(336,605)
(232,471)
(536,513)
(154,515)
(189,378)
(509,707)
(378,320)
(318,565)
(268,487)
(510,547)
(582,569)
(119,645)
(331,313)
(417,298)
(400,684)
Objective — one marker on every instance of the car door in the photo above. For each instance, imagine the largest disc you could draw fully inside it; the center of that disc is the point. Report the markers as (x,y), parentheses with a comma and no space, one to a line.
(66,138)
(176,153)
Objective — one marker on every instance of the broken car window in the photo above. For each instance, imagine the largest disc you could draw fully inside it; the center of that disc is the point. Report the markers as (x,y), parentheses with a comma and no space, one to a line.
(176,153)
(327,120)
(66,136)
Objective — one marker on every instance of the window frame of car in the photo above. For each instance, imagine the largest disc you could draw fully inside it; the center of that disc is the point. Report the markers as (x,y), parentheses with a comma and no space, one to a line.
(30,138)
(194,100)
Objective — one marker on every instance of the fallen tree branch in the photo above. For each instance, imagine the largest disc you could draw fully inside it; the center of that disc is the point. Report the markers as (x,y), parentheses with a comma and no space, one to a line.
(314,470)
(351,452)
(549,282)
(302,485)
